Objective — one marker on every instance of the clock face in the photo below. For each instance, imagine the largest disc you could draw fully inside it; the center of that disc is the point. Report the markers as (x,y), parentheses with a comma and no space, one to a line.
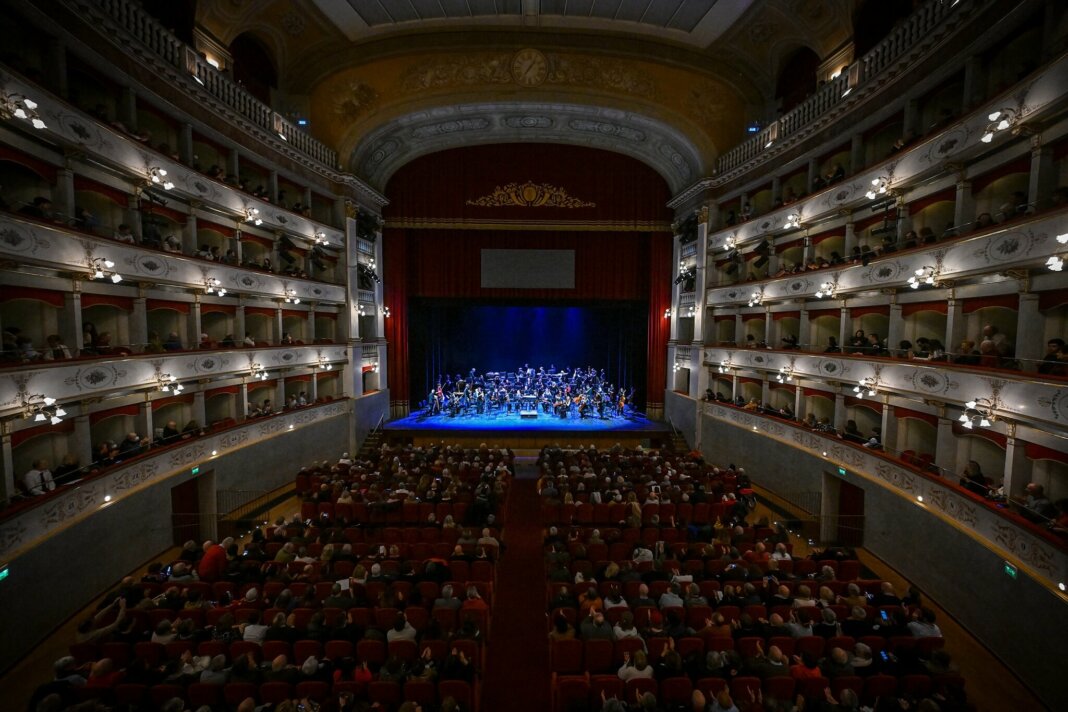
(530,67)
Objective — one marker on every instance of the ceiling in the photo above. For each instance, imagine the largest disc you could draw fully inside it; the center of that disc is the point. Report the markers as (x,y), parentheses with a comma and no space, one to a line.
(669,82)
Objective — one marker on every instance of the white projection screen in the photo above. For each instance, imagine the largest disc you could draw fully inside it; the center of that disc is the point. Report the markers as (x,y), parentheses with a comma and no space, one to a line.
(528,269)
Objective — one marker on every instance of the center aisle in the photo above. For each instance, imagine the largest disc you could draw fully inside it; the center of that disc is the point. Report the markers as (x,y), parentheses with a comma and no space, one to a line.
(517,665)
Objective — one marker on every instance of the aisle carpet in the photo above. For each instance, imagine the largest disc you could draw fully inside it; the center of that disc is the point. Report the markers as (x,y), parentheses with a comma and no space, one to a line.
(517,658)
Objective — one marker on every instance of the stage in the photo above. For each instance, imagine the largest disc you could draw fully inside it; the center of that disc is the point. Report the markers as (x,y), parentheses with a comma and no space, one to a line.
(512,430)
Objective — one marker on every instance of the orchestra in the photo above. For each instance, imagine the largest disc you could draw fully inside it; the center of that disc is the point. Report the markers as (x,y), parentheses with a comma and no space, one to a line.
(580,393)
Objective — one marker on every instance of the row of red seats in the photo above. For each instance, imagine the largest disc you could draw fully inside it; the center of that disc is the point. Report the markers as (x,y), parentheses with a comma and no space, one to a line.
(405,513)
(571,656)
(709,588)
(584,692)
(387,694)
(616,512)
(373,652)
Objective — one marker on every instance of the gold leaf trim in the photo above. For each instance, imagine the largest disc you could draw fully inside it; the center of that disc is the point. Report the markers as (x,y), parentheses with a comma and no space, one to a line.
(530,195)
(538,225)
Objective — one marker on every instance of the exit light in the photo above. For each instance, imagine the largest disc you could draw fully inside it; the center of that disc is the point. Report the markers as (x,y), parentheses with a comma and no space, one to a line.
(841,471)
(196,470)
(4,572)
(1010,570)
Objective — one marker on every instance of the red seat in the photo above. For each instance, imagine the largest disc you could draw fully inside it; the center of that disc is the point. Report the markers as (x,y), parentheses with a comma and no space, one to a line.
(337,649)
(130,695)
(405,650)
(811,688)
(570,692)
(640,685)
(811,644)
(304,649)
(420,691)
(200,693)
(313,690)
(676,691)
(240,648)
(274,693)
(780,688)
(610,685)
(711,686)
(384,692)
(915,685)
(879,686)
(745,688)
(160,694)
(459,691)
(372,652)
(847,682)
(599,654)
(626,645)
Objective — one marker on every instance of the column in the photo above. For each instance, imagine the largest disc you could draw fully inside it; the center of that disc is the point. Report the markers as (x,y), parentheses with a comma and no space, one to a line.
(889,426)
(700,294)
(64,202)
(765,390)
(126,110)
(845,326)
(239,321)
(911,124)
(1043,175)
(856,153)
(185,144)
(272,186)
(768,322)
(734,387)
(308,198)
(897,326)
(83,440)
(313,394)
(739,330)
(954,324)
(1030,333)
(189,235)
(7,485)
(904,220)
(964,206)
(776,190)
(55,67)
(839,409)
(200,412)
(132,214)
(974,84)
(813,171)
(799,403)
(279,399)
(698,373)
(850,239)
(672,351)
(341,218)
(242,402)
(70,322)
(239,249)
(143,421)
(676,250)
(806,250)
(195,324)
(945,445)
(309,337)
(804,336)
(383,374)
(139,321)
(1017,471)
(233,164)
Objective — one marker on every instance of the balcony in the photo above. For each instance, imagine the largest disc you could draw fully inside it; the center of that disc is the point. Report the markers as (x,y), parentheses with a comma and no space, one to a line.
(30,242)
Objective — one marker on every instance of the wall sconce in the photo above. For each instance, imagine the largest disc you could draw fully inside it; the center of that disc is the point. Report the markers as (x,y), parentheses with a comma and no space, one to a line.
(42,409)
(676,368)
(320,238)
(725,366)
(786,374)
(19,107)
(827,289)
(924,275)
(979,412)
(868,385)
(214,286)
(756,298)
(252,215)
(158,176)
(167,383)
(100,268)
(793,221)
(1000,120)
(385,311)
(360,310)
(324,364)
(691,310)
(1056,262)
(879,187)
(729,243)
(374,367)
(257,371)
(291,296)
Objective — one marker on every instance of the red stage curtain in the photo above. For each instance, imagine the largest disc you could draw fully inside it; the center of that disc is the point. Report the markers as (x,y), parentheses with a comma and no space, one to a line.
(395,251)
(659,276)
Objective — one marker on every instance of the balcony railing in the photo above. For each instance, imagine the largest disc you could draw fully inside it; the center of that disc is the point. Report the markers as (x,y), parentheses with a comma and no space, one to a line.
(71,127)
(999,528)
(922,29)
(77,379)
(29,522)
(129,18)
(927,158)
(1023,243)
(30,242)
(1021,397)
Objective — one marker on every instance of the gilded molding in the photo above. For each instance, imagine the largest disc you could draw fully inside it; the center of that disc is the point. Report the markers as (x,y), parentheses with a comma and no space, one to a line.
(535,225)
(530,195)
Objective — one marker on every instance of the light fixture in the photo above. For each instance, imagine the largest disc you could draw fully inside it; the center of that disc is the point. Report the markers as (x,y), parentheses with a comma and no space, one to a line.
(793,221)
(374,367)
(924,275)
(214,286)
(291,296)
(868,385)
(1000,120)
(725,366)
(252,215)
(827,289)
(167,383)
(691,310)
(786,374)
(369,270)
(214,453)
(18,106)
(729,243)
(41,408)
(257,371)
(360,309)
(756,298)
(320,237)
(676,368)
(107,498)
(1056,262)
(667,313)
(919,498)
(879,187)
(385,311)
(101,268)
(979,411)
(158,176)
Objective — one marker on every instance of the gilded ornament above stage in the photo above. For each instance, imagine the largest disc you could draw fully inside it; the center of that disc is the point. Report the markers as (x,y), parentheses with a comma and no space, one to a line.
(530,195)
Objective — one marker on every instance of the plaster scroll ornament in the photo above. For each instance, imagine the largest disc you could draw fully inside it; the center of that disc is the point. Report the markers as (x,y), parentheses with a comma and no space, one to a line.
(530,195)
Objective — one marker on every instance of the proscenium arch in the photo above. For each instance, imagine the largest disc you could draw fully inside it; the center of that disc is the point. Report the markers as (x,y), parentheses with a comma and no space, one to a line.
(653,142)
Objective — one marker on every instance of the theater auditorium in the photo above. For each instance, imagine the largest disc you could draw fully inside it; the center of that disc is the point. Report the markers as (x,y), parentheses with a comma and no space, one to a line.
(533,355)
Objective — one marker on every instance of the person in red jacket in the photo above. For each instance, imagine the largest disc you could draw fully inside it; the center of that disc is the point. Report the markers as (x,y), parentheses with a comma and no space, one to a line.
(212,566)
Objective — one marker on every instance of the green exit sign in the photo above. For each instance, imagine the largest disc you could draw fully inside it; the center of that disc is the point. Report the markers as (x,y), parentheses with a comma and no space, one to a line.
(841,471)
(196,471)
(4,572)
(1010,570)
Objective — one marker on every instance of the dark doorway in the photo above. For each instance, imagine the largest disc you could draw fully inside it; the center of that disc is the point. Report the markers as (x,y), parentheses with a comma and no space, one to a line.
(850,514)
(185,511)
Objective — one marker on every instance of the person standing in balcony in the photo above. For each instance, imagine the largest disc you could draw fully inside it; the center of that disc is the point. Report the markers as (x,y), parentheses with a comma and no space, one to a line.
(56,350)
(123,233)
(38,479)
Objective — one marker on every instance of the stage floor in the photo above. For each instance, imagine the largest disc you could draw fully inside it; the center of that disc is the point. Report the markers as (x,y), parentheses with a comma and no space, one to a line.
(514,423)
